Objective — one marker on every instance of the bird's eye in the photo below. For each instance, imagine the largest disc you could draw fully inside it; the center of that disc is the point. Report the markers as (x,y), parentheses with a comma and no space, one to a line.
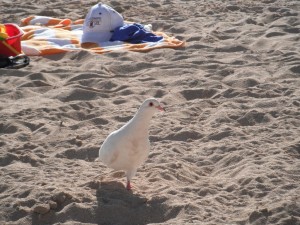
(151,104)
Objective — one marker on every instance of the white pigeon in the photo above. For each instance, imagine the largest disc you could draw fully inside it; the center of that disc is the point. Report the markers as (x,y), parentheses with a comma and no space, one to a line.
(128,147)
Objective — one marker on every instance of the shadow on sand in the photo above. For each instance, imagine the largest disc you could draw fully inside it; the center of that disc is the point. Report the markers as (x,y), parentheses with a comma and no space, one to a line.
(115,206)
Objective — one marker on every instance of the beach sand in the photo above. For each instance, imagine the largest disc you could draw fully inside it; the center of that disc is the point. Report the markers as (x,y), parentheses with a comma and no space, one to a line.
(226,151)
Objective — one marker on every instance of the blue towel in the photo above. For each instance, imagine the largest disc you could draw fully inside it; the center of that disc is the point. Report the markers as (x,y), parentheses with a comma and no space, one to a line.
(135,34)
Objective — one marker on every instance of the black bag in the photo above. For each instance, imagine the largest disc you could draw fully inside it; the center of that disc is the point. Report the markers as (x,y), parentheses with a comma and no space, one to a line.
(14,62)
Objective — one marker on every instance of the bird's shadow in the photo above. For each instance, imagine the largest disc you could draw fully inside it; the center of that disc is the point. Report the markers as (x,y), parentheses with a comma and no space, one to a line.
(114,205)
(117,205)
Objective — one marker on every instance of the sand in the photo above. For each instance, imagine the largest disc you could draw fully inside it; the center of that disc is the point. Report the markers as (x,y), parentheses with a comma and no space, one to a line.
(227,151)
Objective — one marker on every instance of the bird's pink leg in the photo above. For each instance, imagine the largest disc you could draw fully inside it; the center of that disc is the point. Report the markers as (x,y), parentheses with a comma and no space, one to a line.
(129,175)
(128,187)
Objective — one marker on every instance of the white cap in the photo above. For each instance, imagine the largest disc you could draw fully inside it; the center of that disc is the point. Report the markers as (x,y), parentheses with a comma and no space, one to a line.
(100,23)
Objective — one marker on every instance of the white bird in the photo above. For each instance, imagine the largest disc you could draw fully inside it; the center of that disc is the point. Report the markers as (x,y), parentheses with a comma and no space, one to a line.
(128,147)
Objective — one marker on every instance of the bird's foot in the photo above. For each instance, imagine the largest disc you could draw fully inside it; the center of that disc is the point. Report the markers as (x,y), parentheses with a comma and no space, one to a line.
(128,186)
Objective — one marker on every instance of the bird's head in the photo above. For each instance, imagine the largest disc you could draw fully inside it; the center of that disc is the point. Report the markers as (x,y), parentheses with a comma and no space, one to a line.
(152,104)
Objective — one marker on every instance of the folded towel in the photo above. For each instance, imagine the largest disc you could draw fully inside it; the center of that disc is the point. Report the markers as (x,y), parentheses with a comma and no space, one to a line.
(47,35)
(135,34)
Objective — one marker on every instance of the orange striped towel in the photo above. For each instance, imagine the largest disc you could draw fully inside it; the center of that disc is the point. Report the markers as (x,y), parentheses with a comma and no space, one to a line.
(47,35)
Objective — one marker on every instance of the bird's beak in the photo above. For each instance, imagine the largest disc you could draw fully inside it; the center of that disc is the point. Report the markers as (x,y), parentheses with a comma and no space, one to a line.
(160,108)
